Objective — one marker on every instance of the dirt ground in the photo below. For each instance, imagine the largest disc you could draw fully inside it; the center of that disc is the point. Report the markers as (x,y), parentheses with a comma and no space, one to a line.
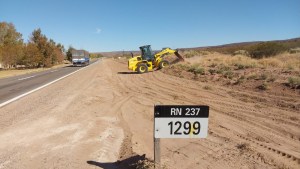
(102,117)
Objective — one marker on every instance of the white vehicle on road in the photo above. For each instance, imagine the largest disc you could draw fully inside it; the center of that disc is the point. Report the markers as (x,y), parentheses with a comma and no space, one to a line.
(80,58)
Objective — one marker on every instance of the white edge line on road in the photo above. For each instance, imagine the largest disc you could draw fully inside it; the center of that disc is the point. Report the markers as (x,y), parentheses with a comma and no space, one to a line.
(36,89)
(26,77)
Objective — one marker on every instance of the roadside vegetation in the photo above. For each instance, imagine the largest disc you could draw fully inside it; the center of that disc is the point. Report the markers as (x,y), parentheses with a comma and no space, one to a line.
(240,68)
(38,52)
(222,62)
(96,55)
(264,67)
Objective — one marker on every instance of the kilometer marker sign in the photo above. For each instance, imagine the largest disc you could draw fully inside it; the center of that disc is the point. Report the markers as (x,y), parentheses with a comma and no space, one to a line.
(180,121)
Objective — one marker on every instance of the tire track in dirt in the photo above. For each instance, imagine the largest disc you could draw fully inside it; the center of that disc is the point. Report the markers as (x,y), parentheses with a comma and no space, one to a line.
(251,113)
(241,109)
(271,149)
(109,117)
(260,150)
(247,118)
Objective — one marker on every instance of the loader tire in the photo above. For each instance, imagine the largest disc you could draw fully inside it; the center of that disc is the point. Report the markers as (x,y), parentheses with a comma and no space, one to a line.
(163,64)
(142,68)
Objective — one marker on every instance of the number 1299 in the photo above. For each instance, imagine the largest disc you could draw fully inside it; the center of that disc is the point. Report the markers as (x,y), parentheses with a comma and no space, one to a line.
(186,128)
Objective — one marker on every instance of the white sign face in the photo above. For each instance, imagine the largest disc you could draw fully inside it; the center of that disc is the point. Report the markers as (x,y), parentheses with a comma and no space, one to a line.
(181,121)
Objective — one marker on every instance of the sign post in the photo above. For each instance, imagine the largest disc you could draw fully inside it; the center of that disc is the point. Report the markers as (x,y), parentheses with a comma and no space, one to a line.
(157,153)
(178,121)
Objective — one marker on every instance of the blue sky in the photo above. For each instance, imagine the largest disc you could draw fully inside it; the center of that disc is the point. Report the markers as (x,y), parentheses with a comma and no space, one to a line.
(110,25)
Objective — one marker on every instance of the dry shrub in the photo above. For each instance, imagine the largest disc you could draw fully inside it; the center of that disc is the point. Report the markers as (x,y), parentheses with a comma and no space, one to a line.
(214,59)
(242,146)
(206,87)
(263,86)
(294,82)
(190,53)
(145,164)
(217,59)
(284,60)
(225,65)
(270,62)
(204,52)
(196,69)
(182,66)
(252,76)
(266,49)
(243,62)
(289,61)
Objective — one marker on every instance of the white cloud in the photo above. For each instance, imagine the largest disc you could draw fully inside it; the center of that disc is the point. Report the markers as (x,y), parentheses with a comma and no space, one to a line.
(98,30)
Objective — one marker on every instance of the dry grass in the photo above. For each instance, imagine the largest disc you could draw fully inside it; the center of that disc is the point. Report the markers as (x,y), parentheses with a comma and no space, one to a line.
(16,72)
(243,70)
(285,61)
(193,53)
(294,82)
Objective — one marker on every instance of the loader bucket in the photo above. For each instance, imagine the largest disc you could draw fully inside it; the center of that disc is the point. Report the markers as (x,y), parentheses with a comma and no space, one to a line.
(179,56)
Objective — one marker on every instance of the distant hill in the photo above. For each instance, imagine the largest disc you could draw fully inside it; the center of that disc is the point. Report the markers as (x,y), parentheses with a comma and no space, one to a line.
(118,53)
(227,48)
(230,48)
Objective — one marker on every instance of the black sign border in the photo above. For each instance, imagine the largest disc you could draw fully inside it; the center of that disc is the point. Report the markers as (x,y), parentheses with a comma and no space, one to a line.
(163,111)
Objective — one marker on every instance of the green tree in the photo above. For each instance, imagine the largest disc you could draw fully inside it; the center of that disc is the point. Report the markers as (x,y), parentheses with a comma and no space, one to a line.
(9,34)
(40,41)
(69,53)
(61,47)
(38,52)
(32,55)
(52,53)
(11,55)
(11,44)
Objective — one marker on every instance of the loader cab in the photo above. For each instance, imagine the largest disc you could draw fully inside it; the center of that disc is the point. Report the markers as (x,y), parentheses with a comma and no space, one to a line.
(147,53)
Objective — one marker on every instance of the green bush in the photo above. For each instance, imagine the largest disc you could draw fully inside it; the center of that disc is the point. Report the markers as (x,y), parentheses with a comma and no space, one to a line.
(213,65)
(263,76)
(196,69)
(212,71)
(271,78)
(183,66)
(240,66)
(263,86)
(228,74)
(190,54)
(244,65)
(266,49)
(222,68)
(294,82)
(252,76)
(240,80)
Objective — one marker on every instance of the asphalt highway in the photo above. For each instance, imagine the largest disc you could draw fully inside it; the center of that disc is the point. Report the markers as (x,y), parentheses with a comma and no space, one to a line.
(17,85)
